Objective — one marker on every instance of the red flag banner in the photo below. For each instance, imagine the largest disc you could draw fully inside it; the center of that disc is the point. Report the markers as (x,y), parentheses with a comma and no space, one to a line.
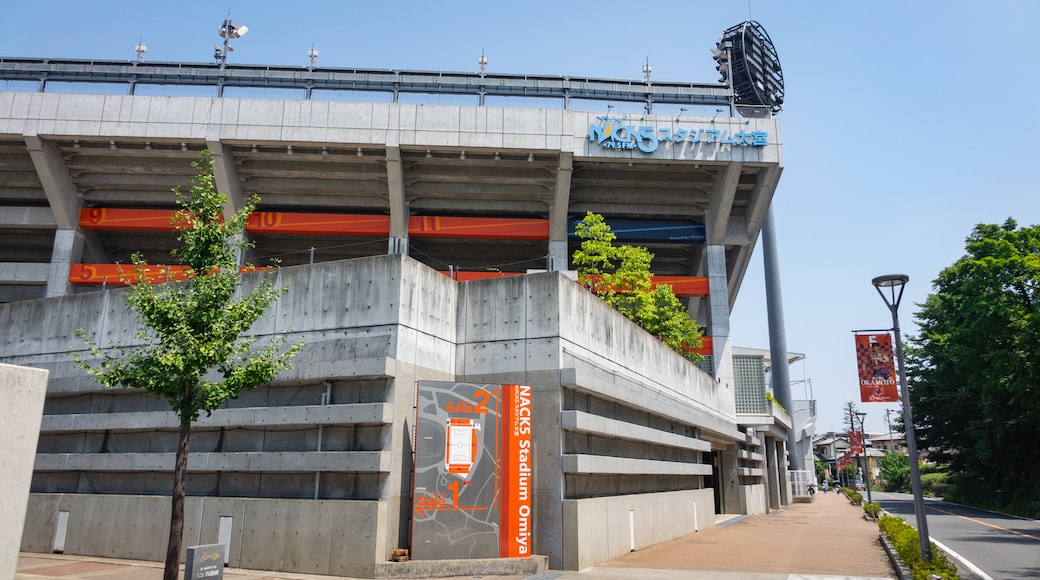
(856,442)
(877,372)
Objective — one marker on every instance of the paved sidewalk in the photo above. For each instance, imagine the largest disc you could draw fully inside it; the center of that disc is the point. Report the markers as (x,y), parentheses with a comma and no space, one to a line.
(827,539)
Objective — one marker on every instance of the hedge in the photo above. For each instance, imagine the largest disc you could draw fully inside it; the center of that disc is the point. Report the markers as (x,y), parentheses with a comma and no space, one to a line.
(904,538)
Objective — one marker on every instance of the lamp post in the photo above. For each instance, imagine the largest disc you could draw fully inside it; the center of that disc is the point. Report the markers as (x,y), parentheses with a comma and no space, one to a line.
(893,282)
(863,446)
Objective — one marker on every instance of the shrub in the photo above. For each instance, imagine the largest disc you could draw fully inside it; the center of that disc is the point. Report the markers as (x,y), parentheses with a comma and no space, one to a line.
(905,541)
(872,509)
(935,484)
(856,498)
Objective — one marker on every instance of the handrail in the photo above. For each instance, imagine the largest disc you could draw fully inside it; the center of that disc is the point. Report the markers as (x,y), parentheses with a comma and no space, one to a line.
(132,73)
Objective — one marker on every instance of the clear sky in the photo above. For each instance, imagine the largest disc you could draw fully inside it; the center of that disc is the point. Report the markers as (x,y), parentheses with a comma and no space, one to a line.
(905,124)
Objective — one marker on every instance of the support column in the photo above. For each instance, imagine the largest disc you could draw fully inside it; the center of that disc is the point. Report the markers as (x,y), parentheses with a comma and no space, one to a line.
(558,258)
(719,330)
(398,242)
(227,182)
(779,374)
(772,473)
(68,249)
(65,204)
(730,481)
(784,474)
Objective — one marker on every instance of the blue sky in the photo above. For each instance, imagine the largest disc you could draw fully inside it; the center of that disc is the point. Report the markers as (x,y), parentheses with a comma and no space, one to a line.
(905,124)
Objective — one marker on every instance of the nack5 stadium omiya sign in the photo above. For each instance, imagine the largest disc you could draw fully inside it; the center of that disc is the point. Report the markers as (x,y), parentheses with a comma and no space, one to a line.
(616,133)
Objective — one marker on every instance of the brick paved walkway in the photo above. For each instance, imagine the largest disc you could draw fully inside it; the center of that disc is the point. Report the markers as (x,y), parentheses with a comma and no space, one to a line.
(828,538)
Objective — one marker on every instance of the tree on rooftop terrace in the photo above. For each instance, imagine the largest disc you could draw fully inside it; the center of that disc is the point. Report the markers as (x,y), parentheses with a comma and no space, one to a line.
(621,277)
(193,352)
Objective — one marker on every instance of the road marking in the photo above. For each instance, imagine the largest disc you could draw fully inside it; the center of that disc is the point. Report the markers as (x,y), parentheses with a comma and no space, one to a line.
(975,569)
(994,526)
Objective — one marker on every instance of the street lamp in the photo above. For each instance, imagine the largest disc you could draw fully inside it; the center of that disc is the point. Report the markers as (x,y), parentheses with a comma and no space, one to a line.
(863,448)
(893,282)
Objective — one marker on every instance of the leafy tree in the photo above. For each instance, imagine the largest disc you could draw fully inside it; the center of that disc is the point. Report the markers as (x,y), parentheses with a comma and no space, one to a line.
(895,470)
(621,277)
(975,368)
(192,350)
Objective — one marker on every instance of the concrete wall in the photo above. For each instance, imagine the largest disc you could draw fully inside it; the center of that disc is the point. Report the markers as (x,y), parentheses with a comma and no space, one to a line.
(22,391)
(602,528)
(340,538)
(260,120)
(390,319)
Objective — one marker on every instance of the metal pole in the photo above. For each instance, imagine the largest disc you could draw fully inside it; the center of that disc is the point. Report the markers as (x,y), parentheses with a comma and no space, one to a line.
(911,442)
(863,442)
(779,374)
(892,281)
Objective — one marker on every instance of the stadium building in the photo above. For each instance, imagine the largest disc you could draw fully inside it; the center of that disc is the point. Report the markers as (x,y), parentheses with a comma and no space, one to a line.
(423,244)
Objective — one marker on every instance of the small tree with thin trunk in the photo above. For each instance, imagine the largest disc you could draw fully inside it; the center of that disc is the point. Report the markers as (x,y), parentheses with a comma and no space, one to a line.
(192,350)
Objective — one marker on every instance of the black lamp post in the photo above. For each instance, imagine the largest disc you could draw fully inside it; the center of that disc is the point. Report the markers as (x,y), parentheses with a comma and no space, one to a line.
(892,282)
(863,445)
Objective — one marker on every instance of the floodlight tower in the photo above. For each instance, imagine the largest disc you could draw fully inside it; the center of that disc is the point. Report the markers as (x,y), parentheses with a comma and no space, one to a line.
(228,29)
(747,60)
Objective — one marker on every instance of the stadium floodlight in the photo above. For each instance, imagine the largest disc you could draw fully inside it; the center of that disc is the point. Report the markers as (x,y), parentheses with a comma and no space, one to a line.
(747,59)
(228,29)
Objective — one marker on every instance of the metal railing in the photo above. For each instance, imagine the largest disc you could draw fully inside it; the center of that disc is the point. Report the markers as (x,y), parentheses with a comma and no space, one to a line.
(395,82)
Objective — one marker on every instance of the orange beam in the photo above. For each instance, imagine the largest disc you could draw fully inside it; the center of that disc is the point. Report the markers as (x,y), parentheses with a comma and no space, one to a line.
(467,276)
(332,224)
(685,285)
(124,274)
(111,218)
(478,228)
(705,348)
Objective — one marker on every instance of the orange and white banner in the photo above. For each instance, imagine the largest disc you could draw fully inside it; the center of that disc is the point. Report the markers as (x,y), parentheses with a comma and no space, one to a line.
(877,372)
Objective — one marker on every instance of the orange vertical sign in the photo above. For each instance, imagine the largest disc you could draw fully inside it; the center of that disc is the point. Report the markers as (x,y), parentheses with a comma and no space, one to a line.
(515,514)
(877,373)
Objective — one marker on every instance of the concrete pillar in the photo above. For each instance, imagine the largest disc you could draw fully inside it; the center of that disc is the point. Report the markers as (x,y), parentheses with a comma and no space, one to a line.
(772,474)
(398,243)
(785,477)
(718,327)
(730,481)
(558,215)
(227,183)
(22,392)
(68,249)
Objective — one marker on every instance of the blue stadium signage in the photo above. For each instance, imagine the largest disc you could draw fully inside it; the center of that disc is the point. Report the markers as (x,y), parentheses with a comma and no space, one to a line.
(615,133)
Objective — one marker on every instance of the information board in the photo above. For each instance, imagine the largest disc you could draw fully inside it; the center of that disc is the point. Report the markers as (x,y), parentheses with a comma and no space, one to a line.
(472,494)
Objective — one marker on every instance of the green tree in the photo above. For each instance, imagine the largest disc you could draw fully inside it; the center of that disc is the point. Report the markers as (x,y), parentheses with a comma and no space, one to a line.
(192,350)
(621,277)
(895,470)
(975,369)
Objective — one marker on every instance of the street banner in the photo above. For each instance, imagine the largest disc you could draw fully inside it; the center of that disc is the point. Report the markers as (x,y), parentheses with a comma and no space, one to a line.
(877,372)
(856,442)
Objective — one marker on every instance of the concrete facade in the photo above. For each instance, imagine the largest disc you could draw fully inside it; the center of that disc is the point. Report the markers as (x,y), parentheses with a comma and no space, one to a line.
(22,392)
(622,425)
(630,437)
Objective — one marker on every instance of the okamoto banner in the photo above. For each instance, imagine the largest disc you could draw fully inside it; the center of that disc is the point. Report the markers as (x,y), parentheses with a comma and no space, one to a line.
(472,494)
(877,373)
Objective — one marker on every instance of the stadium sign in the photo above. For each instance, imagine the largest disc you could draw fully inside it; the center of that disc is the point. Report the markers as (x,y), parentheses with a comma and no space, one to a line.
(615,133)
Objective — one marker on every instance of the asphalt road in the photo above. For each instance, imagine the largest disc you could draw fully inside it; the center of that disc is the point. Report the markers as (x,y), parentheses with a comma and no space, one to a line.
(999,545)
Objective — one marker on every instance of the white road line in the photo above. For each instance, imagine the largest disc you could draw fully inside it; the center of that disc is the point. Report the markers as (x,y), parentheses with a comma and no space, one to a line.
(975,569)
